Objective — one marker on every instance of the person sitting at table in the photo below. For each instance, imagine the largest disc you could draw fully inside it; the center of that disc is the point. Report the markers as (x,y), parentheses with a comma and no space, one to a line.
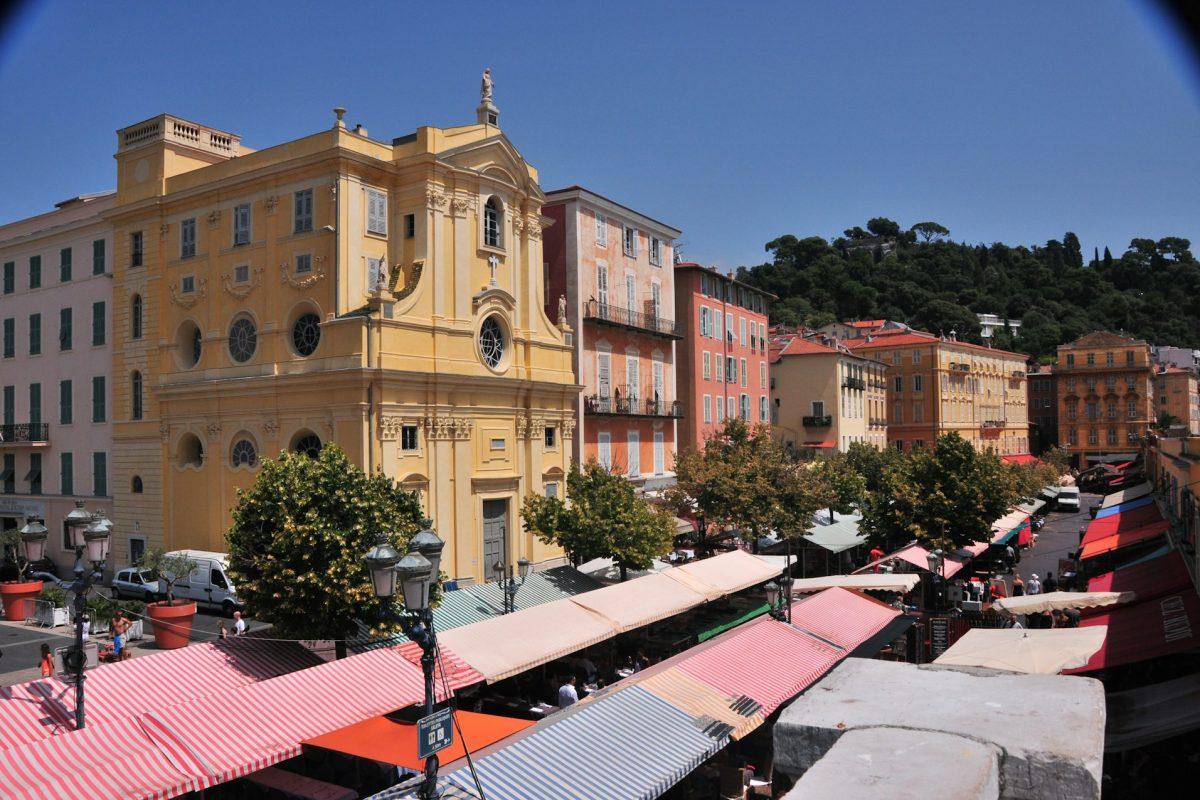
(567,696)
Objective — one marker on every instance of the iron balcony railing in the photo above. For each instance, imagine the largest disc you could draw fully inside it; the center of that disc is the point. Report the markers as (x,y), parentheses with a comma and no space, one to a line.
(878,422)
(610,314)
(631,407)
(994,423)
(854,383)
(25,433)
(818,421)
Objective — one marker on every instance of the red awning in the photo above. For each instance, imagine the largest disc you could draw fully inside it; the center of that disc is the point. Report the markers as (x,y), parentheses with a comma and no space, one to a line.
(917,555)
(1126,538)
(1142,631)
(843,617)
(1021,458)
(395,742)
(1124,521)
(819,444)
(46,707)
(1149,579)
(1123,465)
(767,661)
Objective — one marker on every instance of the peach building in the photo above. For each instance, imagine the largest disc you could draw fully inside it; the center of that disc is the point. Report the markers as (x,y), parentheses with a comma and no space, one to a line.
(612,267)
(1178,396)
(55,313)
(723,368)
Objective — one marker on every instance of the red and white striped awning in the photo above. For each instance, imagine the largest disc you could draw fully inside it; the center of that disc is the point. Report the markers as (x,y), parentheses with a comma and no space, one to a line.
(46,707)
(253,727)
(113,760)
(843,617)
(766,660)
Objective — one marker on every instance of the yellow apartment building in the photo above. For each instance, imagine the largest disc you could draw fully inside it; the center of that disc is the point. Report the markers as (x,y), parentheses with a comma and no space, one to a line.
(385,295)
(938,386)
(1179,396)
(1105,385)
(824,398)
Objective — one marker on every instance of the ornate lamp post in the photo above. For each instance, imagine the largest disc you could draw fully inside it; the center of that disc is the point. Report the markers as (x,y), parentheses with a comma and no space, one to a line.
(936,560)
(415,573)
(509,584)
(779,598)
(91,535)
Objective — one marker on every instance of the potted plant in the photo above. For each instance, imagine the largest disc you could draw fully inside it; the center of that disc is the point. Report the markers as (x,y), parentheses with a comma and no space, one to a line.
(15,593)
(51,607)
(170,619)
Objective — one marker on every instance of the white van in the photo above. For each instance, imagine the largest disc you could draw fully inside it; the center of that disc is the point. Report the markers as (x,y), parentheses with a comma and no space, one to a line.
(1068,498)
(209,582)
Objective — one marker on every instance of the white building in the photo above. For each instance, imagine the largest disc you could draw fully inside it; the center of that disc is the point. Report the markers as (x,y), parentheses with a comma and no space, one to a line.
(990,323)
(55,387)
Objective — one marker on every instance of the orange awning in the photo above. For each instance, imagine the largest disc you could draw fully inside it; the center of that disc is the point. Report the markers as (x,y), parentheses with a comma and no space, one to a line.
(395,742)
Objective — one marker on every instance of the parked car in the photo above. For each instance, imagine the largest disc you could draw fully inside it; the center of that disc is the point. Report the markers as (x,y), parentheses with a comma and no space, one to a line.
(209,583)
(138,584)
(1068,498)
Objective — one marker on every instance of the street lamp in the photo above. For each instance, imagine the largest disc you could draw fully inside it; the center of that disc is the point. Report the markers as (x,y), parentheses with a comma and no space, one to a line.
(779,598)
(509,584)
(936,560)
(416,573)
(91,535)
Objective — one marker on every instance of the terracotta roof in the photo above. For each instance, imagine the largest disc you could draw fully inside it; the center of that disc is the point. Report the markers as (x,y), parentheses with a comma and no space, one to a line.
(799,346)
(1101,339)
(920,338)
(865,323)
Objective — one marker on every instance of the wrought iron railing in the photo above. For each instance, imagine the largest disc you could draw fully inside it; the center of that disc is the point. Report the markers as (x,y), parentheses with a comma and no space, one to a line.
(25,432)
(616,405)
(617,315)
(818,421)
(854,383)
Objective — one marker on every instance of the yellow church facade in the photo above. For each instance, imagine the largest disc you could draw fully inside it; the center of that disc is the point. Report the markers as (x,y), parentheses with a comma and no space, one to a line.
(384,296)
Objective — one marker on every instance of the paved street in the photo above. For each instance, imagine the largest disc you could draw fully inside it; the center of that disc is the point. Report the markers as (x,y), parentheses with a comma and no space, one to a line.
(1059,537)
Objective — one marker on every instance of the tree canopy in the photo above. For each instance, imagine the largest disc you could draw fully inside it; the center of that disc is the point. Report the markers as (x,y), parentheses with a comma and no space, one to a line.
(298,539)
(602,518)
(1152,291)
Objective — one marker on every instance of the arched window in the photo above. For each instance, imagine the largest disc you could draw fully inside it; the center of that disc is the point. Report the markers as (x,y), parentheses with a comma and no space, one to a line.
(135,395)
(135,485)
(135,317)
(308,444)
(191,451)
(306,333)
(244,453)
(492,216)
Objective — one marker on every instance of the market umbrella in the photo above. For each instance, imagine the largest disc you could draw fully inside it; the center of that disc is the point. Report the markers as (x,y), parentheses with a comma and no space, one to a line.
(1058,601)
(1043,652)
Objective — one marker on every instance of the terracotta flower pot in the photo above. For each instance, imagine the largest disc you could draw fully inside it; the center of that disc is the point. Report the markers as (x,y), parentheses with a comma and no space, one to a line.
(172,623)
(14,594)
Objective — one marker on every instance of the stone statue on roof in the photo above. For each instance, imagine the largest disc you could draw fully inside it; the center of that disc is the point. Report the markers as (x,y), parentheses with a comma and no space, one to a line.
(485,87)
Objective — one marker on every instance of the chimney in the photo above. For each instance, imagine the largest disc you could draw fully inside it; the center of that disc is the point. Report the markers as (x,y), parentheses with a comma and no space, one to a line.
(360,130)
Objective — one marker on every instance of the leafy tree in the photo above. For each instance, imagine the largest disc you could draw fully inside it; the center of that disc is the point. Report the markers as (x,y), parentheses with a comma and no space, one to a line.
(946,496)
(298,539)
(882,226)
(603,519)
(871,463)
(840,486)
(930,231)
(170,568)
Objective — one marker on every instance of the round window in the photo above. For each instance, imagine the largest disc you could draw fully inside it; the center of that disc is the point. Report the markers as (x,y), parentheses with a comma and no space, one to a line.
(243,340)
(244,453)
(306,334)
(491,342)
(309,445)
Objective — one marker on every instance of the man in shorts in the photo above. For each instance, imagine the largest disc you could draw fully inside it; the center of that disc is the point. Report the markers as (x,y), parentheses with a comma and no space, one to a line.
(120,628)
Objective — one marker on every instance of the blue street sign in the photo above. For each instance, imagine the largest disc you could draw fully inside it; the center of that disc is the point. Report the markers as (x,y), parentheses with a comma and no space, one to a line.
(434,733)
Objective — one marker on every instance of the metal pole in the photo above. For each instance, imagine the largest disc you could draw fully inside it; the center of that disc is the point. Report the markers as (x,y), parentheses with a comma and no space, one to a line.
(80,589)
(428,647)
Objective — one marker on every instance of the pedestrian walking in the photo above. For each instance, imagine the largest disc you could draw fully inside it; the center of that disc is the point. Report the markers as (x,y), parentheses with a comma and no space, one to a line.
(1018,586)
(119,629)
(1050,585)
(239,624)
(222,631)
(87,626)
(567,696)
(1034,586)
(47,663)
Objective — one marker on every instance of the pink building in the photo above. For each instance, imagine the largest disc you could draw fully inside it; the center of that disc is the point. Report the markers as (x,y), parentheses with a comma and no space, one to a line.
(723,363)
(612,265)
(55,387)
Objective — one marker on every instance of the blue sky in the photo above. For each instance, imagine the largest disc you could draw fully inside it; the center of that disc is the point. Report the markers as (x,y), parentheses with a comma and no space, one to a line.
(733,122)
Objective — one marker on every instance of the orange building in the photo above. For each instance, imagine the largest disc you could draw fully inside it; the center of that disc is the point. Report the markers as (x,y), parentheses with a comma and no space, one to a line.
(1179,396)
(1105,385)
(937,386)
(611,268)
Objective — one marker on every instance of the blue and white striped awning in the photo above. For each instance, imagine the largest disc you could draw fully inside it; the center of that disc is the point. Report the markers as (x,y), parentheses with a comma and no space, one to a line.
(631,745)
(1121,508)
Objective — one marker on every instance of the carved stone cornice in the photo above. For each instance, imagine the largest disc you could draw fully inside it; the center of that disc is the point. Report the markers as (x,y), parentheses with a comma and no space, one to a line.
(213,430)
(523,423)
(533,226)
(459,206)
(389,427)
(568,427)
(191,298)
(448,428)
(434,198)
(287,276)
(240,290)
(270,203)
(518,225)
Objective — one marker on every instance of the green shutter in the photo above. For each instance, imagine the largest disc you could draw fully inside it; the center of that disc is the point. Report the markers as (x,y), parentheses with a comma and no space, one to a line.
(100,474)
(64,329)
(98,257)
(64,265)
(35,334)
(98,404)
(35,272)
(66,410)
(66,473)
(98,323)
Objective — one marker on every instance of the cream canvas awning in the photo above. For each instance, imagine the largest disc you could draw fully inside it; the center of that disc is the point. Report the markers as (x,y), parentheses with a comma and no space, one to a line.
(724,574)
(640,601)
(1132,493)
(879,582)
(503,646)
(1043,652)
(1057,601)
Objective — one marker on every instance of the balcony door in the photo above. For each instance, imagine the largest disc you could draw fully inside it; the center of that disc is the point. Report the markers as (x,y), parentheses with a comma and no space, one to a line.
(659,397)
(660,454)
(495,529)
(604,374)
